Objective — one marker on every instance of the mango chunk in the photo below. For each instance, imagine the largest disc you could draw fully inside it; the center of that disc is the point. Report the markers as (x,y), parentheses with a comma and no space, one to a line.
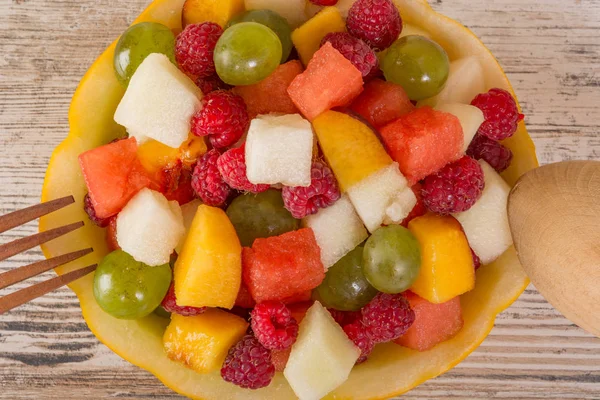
(307,38)
(217,11)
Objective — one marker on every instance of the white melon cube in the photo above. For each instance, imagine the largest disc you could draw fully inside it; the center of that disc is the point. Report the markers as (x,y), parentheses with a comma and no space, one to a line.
(342,5)
(470,118)
(188,211)
(322,357)
(291,10)
(159,102)
(149,227)
(338,230)
(408,30)
(384,196)
(486,223)
(279,150)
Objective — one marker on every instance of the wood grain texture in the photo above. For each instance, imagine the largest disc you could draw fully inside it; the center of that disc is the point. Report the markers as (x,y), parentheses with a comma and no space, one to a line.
(550,50)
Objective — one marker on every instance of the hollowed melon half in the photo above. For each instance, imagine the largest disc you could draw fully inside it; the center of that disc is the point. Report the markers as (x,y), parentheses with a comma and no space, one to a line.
(392,369)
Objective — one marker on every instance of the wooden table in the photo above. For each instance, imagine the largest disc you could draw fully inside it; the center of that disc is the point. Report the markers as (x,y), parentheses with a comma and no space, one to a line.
(551,52)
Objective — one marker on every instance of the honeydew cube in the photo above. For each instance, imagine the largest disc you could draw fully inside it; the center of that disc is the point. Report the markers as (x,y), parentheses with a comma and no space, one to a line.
(279,150)
(322,357)
(382,197)
(486,223)
(188,211)
(470,118)
(338,230)
(291,10)
(159,102)
(149,227)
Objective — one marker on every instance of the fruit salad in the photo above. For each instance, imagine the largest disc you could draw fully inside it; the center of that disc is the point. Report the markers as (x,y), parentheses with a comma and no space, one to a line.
(291,195)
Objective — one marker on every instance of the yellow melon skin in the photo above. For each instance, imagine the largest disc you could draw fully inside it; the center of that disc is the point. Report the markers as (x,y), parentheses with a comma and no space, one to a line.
(392,369)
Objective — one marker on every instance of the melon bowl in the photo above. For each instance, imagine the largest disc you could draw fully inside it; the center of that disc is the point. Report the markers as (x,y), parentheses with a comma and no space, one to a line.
(391,369)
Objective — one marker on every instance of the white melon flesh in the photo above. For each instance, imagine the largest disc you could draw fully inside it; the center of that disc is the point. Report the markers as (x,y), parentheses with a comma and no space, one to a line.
(291,10)
(470,118)
(342,5)
(486,223)
(159,102)
(322,357)
(149,227)
(188,211)
(408,30)
(279,150)
(338,230)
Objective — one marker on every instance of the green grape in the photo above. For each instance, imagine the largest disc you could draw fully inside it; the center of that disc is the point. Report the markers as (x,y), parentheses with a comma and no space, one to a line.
(247,53)
(129,289)
(392,259)
(418,64)
(271,19)
(345,286)
(161,312)
(139,41)
(260,216)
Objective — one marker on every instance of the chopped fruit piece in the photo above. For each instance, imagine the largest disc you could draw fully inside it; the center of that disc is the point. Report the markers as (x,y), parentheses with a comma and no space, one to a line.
(91,213)
(218,11)
(282,266)
(149,227)
(175,182)
(307,38)
(357,332)
(248,364)
(501,114)
(207,181)
(155,155)
(280,358)
(434,323)
(486,223)
(244,299)
(291,10)
(188,211)
(279,150)
(377,22)
(330,80)
(195,47)
(381,103)
(270,95)
(492,152)
(201,342)
(211,83)
(298,298)
(345,317)
(338,230)
(324,2)
(446,263)
(387,317)
(476,260)
(470,118)
(423,141)
(273,325)
(358,52)
(159,102)
(169,304)
(408,30)
(322,357)
(111,235)
(232,166)
(343,5)
(208,271)
(419,208)
(299,310)
(191,150)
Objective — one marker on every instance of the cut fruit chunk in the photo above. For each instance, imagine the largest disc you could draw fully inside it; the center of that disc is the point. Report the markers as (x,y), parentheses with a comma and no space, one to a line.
(217,11)
(408,29)
(149,227)
(307,38)
(330,80)
(486,223)
(291,10)
(155,156)
(201,342)
(322,357)
(446,263)
(188,211)
(342,5)
(279,150)
(208,272)
(338,230)
(159,102)
(470,118)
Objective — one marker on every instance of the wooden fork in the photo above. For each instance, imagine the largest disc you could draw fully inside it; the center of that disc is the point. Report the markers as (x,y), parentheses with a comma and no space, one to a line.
(16,275)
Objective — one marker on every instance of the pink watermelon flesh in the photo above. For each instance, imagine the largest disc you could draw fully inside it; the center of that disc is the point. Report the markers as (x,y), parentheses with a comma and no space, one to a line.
(382,102)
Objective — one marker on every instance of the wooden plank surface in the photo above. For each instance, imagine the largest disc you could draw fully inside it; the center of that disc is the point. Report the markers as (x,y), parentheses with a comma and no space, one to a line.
(551,52)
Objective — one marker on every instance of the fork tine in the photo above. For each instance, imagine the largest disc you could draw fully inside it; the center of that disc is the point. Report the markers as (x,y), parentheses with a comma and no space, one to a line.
(19,245)
(22,296)
(20,274)
(20,217)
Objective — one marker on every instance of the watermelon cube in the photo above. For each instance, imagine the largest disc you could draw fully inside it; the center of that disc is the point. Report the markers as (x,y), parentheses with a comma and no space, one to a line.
(423,141)
(330,80)
(381,103)
(434,323)
(270,95)
(280,267)
(113,175)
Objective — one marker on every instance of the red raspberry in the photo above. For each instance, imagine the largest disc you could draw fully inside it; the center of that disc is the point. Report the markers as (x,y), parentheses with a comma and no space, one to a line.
(344,318)
(501,114)
(195,46)
(88,207)
(273,325)
(207,181)
(322,192)
(248,364)
(111,234)
(324,2)
(223,116)
(476,260)
(387,317)
(377,22)
(492,152)
(232,166)
(169,303)
(211,83)
(454,188)
(358,334)
(358,52)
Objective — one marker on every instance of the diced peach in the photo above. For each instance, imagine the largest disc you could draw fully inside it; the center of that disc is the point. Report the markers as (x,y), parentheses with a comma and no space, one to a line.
(307,38)
(217,11)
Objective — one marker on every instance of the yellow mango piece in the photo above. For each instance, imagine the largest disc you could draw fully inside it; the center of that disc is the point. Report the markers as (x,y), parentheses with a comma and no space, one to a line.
(154,155)
(351,148)
(217,11)
(201,342)
(307,38)
(446,263)
(191,150)
(208,272)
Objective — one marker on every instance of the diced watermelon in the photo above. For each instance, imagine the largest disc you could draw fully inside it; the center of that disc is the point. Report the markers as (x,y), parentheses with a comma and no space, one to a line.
(423,141)
(298,298)
(279,358)
(330,80)
(113,175)
(382,102)
(434,323)
(299,310)
(244,299)
(282,266)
